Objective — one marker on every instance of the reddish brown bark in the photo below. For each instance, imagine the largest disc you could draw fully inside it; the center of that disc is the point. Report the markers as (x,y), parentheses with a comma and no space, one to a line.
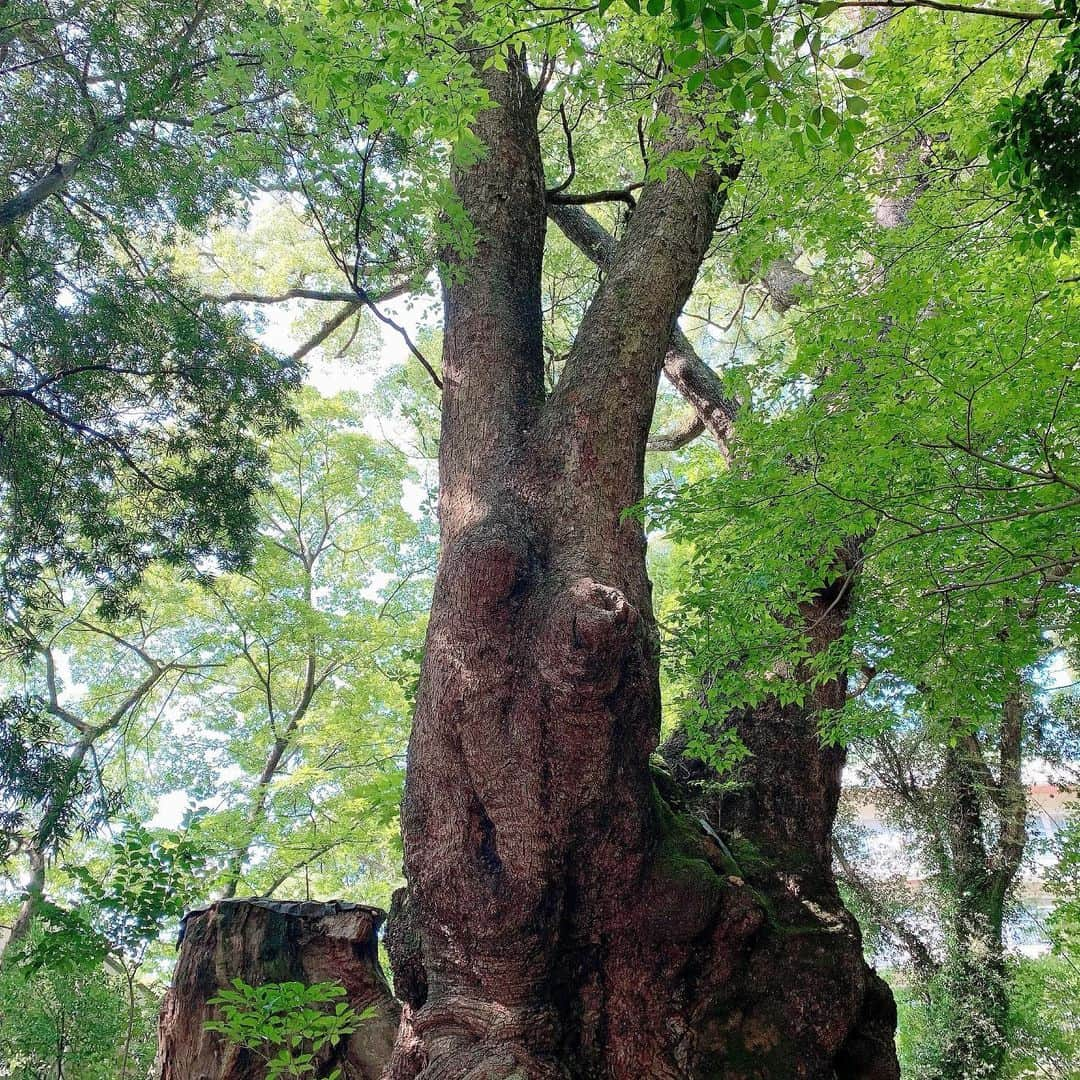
(561,919)
(809,1003)
(265,941)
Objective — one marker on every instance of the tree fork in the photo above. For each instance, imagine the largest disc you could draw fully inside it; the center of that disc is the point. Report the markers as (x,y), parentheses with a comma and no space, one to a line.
(560,919)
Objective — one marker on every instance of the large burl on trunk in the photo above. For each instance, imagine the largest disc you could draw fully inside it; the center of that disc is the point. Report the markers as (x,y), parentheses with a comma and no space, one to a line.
(563,918)
(270,941)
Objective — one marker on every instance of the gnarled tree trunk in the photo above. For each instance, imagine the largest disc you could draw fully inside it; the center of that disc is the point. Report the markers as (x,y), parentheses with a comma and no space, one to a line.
(562,918)
(809,1003)
(273,941)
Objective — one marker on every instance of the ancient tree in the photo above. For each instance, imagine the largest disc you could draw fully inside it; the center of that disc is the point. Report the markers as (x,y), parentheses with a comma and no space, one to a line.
(563,916)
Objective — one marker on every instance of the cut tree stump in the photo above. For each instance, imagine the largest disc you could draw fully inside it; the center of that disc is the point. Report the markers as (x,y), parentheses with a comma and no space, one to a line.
(272,941)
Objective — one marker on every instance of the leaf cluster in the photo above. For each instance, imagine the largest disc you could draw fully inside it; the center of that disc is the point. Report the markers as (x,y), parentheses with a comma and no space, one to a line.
(287,1024)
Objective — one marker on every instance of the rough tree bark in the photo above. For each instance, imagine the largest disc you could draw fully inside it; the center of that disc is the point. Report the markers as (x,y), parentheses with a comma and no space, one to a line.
(269,941)
(562,919)
(776,829)
(781,821)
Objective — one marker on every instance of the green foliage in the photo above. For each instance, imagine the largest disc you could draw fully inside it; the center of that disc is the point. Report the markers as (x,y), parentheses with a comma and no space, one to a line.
(33,768)
(286,1024)
(773,65)
(1040,1029)
(1064,884)
(69,1022)
(72,1000)
(132,407)
(964,1034)
(1044,1018)
(307,661)
(920,406)
(145,881)
(149,879)
(1034,137)
(155,408)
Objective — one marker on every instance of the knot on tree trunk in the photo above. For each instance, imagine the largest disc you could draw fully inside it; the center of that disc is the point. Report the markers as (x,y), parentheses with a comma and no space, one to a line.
(489,563)
(785,284)
(464,1036)
(588,631)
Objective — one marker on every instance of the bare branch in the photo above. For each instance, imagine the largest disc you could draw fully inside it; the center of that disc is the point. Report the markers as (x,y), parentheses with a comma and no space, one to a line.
(565,198)
(686,371)
(939,5)
(691,427)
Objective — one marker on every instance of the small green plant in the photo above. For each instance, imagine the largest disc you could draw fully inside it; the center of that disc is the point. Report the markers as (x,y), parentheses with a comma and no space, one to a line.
(286,1024)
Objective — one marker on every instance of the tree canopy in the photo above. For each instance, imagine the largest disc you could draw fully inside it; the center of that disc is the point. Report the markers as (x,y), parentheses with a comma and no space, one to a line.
(861,494)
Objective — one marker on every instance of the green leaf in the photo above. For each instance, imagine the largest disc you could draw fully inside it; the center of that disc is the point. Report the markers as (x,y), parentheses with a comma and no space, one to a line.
(713,19)
(688,58)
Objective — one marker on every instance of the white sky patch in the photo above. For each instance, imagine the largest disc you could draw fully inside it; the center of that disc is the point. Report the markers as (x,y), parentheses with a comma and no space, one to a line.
(1058,673)
(170,811)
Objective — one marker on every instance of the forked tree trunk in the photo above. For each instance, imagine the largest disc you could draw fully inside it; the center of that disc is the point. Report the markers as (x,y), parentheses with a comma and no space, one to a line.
(562,919)
(271,941)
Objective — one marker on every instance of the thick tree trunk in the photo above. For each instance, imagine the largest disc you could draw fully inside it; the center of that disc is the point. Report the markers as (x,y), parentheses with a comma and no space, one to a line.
(269,941)
(809,1004)
(561,919)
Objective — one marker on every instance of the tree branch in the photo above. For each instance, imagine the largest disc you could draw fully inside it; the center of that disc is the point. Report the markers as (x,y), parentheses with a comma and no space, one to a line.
(59,176)
(691,427)
(688,373)
(939,5)
(559,197)
(602,405)
(333,296)
(921,958)
(350,309)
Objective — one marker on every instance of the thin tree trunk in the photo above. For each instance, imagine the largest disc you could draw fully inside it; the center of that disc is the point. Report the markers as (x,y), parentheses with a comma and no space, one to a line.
(972,991)
(44,838)
(35,890)
(278,752)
